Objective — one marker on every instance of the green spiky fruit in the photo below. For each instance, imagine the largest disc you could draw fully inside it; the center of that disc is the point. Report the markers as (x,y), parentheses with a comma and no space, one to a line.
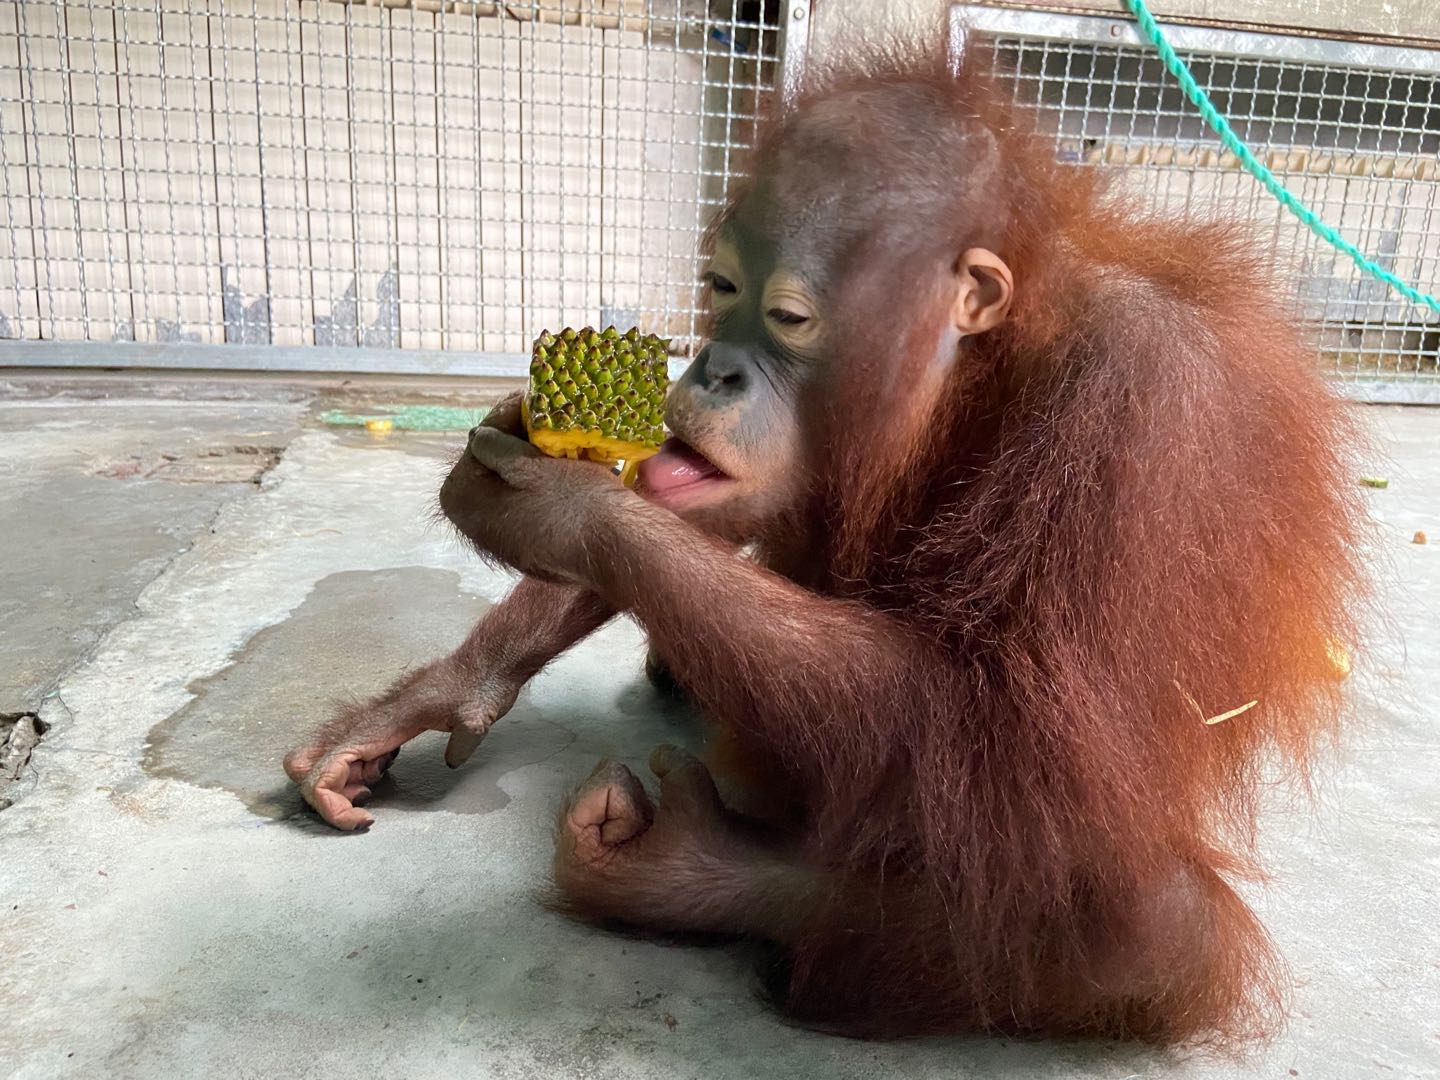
(598,394)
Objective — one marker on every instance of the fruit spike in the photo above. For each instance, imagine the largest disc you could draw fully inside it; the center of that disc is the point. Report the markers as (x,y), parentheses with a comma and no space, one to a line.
(597,395)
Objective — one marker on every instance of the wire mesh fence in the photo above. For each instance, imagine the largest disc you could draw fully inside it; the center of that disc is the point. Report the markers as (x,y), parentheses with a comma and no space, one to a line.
(1353,130)
(437,178)
(412,176)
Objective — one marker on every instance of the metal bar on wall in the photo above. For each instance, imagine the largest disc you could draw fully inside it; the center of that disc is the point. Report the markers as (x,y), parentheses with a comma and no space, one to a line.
(796,43)
(1122,32)
(1353,129)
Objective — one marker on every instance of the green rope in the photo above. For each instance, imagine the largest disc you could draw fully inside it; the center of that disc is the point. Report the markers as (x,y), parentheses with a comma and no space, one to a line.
(1257,169)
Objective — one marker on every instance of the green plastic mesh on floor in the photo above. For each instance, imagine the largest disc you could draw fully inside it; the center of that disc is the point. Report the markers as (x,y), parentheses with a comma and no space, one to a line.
(411,417)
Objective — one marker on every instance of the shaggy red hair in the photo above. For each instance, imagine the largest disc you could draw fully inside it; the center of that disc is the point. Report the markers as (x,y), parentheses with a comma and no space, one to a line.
(1131,511)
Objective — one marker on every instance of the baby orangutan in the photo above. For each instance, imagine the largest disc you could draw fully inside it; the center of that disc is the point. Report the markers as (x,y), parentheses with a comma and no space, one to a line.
(1037,483)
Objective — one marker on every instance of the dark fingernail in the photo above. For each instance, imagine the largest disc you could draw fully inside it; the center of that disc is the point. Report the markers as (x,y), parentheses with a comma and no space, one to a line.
(363,828)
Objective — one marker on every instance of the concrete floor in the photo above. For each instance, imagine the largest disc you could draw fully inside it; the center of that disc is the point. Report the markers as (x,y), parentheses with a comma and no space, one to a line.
(167,909)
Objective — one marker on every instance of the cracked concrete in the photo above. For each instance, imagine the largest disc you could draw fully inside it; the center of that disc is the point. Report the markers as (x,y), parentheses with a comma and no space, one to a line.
(167,910)
(80,546)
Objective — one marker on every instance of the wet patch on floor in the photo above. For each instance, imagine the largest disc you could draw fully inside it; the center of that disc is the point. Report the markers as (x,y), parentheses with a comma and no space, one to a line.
(355,633)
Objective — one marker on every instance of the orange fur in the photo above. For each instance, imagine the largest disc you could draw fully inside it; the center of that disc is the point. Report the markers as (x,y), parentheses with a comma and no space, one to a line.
(1134,494)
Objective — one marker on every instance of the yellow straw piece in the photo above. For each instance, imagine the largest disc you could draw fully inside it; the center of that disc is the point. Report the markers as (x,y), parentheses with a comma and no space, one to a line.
(1221,717)
(1232,713)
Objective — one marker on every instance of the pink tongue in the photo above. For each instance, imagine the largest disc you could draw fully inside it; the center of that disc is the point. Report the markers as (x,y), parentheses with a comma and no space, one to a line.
(674,465)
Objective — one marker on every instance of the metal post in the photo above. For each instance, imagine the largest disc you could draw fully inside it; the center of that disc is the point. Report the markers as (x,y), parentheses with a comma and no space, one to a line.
(796,46)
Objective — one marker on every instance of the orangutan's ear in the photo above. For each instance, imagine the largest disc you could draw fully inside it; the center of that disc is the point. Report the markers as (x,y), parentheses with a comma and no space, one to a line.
(983,290)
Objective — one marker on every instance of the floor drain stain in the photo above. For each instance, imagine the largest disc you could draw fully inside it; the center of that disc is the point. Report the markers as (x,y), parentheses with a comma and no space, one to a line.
(245,463)
(20,733)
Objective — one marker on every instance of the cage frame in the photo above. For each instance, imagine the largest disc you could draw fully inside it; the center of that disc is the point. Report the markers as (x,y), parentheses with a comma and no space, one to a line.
(790,31)
(967,20)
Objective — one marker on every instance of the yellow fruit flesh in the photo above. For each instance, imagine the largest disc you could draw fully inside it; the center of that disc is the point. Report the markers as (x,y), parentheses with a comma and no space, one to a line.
(590,445)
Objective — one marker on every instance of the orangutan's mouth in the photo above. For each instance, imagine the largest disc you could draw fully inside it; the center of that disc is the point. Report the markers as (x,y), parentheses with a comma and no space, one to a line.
(678,471)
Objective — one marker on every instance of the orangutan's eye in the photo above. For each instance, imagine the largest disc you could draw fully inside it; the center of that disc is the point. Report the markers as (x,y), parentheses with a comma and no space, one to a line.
(788,318)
